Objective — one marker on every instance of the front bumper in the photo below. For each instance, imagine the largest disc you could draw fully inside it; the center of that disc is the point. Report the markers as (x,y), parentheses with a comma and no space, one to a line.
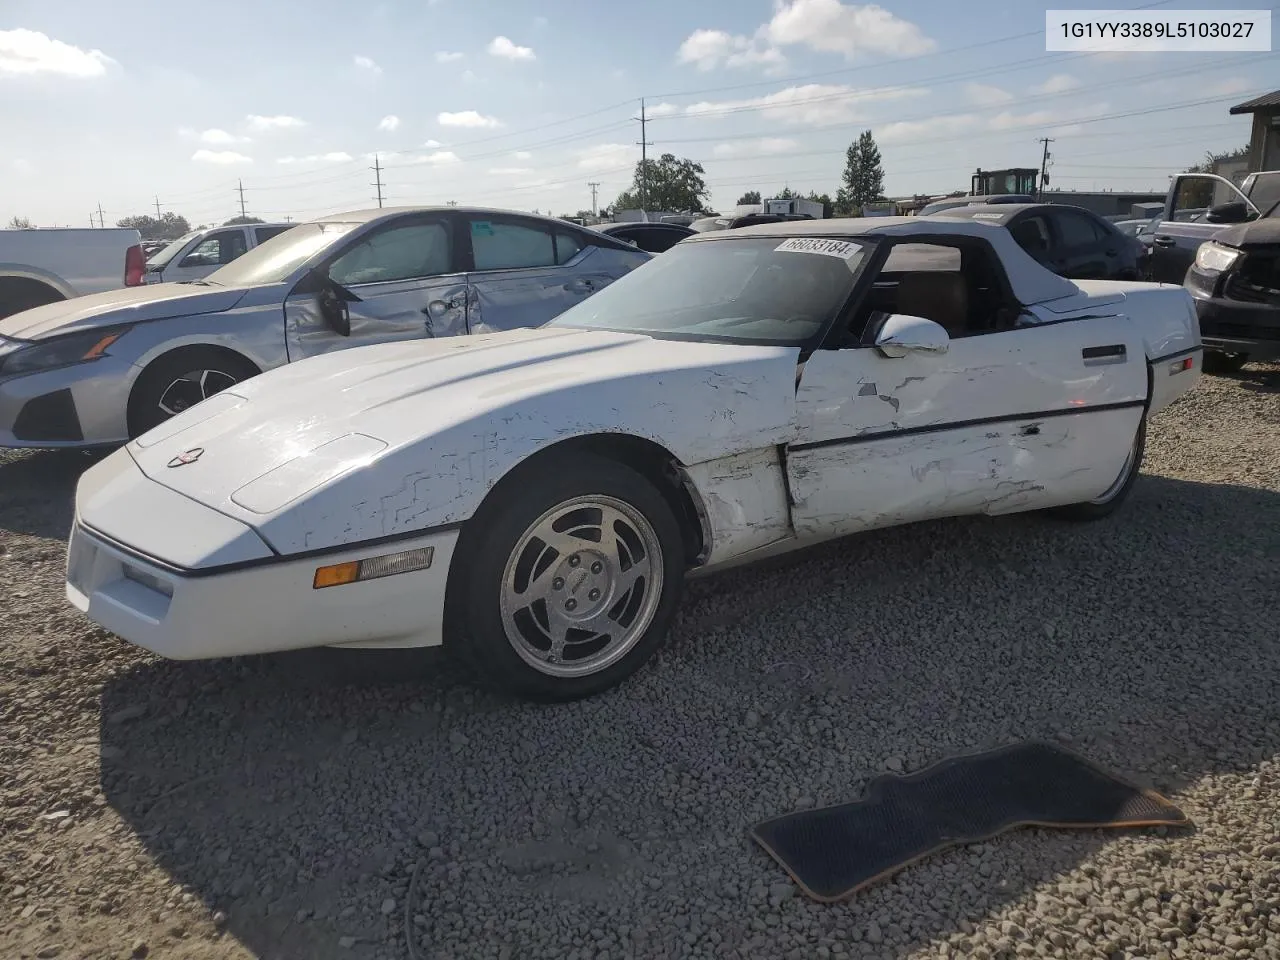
(257,608)
(1230,326)
(83,405)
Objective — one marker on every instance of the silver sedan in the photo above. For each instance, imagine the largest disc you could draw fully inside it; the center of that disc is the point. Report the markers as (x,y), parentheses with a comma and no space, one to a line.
(99,370)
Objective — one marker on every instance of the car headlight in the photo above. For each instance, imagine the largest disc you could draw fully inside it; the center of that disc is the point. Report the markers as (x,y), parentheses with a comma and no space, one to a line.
(61,351)
(1214,257)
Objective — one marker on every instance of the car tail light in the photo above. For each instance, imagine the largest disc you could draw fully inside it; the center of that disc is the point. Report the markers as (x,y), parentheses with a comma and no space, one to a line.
(135,266)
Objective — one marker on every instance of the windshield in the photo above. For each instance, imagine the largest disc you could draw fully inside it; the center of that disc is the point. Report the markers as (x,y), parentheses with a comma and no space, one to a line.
(277,258)
(160,259)
(773,290)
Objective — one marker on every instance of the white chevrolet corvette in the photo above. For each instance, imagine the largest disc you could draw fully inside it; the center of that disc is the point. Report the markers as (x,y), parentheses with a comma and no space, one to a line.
(534,499)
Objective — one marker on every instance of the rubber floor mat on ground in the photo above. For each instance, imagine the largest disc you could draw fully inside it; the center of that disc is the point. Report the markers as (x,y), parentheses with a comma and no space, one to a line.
(834,852)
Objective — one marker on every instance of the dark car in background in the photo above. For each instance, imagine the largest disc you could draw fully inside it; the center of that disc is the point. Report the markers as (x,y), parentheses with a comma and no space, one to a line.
(649,237)
(1071,241)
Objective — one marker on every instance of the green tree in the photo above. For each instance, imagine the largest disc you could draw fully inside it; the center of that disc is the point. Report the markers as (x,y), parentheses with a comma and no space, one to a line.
(20,223)
(170,226)
(668,183)
(236,221)
(750,197)
(786,193)
(1211,158)
(863,179)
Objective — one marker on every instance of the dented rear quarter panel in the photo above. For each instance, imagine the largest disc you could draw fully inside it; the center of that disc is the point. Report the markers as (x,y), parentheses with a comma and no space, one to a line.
(406,437)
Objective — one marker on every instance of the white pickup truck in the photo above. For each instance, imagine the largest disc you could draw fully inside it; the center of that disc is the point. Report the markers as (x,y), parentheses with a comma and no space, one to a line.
(45,266)
(199,253)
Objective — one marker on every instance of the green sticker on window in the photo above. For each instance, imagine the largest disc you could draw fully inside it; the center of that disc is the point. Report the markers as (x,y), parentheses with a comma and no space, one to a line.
(481,228)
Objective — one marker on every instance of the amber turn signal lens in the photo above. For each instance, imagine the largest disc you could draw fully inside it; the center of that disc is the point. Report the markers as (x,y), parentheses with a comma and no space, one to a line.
(336,575)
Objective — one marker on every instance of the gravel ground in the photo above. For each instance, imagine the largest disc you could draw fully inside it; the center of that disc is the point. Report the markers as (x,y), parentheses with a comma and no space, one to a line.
(305,806)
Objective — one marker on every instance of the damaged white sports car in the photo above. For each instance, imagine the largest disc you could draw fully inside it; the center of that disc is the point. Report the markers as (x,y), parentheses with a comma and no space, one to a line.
(533,499)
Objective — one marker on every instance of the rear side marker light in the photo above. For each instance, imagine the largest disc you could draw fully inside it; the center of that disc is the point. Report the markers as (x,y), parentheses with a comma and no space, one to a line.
(1179,365)
(372,568)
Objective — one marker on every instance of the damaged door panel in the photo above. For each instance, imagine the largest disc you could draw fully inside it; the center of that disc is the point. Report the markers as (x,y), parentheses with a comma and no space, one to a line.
(1005,421)
(744,502)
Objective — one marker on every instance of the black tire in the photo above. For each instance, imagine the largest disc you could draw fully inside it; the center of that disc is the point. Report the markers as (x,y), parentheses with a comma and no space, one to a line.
(1111,501)
(162,386)
(475,623)
(1221,364)
(19,293)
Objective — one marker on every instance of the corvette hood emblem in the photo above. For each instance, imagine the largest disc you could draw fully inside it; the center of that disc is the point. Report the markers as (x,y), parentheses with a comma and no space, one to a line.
(187,456)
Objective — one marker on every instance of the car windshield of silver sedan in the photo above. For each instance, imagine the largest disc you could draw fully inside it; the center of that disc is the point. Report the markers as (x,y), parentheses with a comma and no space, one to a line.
(275,259)
(763,290)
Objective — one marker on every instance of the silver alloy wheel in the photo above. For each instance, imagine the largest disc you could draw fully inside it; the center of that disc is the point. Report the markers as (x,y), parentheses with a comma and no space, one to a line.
(192,387)
(1119,482)
(581,586)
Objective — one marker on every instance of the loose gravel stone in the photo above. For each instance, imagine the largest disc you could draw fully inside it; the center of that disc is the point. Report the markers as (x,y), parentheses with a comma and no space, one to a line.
(274,806)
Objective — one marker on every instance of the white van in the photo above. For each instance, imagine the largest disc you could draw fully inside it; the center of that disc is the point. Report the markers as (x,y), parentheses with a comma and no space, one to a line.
(201,252)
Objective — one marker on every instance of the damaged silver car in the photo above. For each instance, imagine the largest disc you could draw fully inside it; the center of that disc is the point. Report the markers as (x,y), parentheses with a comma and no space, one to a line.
(99,370)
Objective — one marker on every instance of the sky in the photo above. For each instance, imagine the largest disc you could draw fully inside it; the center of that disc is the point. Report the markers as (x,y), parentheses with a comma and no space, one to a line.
(522,106)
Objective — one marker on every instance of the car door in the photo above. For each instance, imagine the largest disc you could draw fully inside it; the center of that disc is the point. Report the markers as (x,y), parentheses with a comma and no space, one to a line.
(1012,416)
(1185,226)
(400,282)
(1080,251)
(220,247)
(526,272)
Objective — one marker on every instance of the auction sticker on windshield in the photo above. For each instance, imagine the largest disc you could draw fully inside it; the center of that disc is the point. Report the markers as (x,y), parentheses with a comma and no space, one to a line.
(830,248)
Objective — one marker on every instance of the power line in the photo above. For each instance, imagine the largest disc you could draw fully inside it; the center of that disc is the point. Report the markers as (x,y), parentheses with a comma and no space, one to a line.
(157,207)
(1044,166)
(595,207)
(644,158)
(241,190)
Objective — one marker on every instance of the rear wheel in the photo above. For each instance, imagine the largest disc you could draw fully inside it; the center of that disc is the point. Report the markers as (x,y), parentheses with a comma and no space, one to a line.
(181,379)
(1219,363)
(1113,496)
(19,293)
(568,584)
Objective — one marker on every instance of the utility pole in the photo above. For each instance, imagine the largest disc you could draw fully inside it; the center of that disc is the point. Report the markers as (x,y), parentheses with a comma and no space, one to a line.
(157,208)
(377,174)
(595,210)
(1044,167)
(240,188)
(101,222)
(644,158)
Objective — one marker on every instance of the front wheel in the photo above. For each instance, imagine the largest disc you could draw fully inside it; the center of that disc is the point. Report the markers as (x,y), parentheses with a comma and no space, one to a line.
(180,380)
(1113,496)
(569,583)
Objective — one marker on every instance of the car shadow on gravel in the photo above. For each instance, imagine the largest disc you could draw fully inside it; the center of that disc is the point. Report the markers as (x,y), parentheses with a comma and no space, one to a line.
(37,490)
(300,794)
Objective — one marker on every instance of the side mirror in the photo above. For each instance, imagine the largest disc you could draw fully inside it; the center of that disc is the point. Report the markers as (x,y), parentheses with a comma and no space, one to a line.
(1237,211)
(334,310)
(902,334)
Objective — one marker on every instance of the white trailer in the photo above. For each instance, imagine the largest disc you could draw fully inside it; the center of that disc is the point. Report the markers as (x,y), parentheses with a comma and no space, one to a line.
(795,206)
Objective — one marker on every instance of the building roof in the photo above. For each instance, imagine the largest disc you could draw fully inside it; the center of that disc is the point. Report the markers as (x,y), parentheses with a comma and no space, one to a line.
(1266,101)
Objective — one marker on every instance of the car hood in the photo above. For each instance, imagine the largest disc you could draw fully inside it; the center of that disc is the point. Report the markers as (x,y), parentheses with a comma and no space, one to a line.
(1244,234)
(130,305)
(389,439)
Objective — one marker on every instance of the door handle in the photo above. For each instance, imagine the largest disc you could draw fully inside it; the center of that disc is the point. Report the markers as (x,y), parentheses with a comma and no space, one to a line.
(1164,242)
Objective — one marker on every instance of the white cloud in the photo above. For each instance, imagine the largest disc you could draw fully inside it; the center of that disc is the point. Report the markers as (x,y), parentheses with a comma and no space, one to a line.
(389,123)
(22,166)
(910,130)
(468,76)
(986,95)
(432,144)
(337,156)
(448,56)
(261,123)
(510,171)
(814,104)
(830,26)
(366,63)
(502,47)
(220,137)
(661,110)
(1058,83)
(766,146)
(224,157)
(708,49)
(466,118)
(438,157)
(1008,120)
(523,155)
(1229,86)
(604,156)
(27,52)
